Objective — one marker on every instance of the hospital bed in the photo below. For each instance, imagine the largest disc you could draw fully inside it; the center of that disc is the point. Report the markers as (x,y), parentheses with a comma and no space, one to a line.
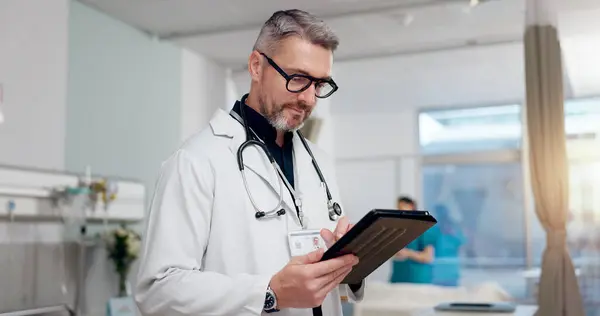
(49,233)
(404,299)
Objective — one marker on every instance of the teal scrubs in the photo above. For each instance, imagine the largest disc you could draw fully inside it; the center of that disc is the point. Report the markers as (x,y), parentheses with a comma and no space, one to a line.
(446,268)
(410,271)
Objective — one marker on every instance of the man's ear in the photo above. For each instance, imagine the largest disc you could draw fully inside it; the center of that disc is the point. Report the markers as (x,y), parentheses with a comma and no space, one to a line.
(255,65)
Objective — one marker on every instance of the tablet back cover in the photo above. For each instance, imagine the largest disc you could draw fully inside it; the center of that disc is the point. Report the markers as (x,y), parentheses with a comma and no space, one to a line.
(383,233)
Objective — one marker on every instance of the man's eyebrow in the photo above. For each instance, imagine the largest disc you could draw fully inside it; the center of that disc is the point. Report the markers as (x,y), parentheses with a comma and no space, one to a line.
(292,71)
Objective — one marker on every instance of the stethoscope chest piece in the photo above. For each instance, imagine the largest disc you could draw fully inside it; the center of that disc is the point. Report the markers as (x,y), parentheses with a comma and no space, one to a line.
(335,210)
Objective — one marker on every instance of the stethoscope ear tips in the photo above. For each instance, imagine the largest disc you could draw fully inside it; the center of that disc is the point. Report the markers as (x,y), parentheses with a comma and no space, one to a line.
(259,214)
(281,212)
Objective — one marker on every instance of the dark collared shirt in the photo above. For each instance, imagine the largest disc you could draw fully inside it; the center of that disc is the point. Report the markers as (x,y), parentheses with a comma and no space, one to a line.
(283,155)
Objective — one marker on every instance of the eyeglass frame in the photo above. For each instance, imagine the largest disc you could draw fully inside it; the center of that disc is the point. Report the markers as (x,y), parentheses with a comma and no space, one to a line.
(312,79)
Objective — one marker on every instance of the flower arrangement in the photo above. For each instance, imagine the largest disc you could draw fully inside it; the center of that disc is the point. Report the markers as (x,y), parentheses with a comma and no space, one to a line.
(123,246)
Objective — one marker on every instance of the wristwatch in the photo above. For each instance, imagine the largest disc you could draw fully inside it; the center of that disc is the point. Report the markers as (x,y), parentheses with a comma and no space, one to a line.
(270,301)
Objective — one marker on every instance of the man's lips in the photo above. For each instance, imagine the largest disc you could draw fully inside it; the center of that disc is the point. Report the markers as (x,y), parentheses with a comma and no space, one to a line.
(296,110)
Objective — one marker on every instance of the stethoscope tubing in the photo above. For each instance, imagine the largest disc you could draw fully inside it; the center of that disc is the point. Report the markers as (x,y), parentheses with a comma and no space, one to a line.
(277,211)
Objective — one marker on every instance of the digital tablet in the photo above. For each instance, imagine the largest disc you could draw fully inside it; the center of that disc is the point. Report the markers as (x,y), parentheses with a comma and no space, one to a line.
(377,237)
(500,307)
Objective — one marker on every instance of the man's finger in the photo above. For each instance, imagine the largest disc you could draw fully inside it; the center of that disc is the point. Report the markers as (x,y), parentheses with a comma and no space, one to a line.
(342,227)
(325,280)
(328,237)
(311,257)
(350,227)
(331,265)
(333,283)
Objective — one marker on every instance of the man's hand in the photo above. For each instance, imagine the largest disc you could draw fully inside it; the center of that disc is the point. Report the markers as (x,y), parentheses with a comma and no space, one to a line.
(343,226)
(305,282)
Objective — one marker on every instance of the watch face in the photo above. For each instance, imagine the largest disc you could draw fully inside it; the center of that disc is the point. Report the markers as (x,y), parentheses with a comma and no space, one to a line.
(269,301)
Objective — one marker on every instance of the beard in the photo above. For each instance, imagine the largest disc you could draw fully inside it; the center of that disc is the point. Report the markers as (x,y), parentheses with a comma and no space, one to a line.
(276,116)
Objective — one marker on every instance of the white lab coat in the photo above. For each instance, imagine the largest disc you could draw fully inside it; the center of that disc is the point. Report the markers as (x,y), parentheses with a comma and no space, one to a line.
(204,251)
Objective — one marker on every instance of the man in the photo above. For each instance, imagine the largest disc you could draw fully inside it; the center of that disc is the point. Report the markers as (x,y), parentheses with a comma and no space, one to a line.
(210,247)
(413,264)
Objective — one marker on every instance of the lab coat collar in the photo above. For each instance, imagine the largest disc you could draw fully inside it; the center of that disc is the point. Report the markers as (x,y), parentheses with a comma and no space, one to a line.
(260,124)
(223,125)
(255,160)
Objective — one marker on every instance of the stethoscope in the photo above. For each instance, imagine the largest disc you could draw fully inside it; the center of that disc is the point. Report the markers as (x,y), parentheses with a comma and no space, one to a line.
(334,209)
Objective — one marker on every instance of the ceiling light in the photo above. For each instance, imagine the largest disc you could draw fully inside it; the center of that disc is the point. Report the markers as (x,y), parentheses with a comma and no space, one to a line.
(405,19)
(408,19)
(473,3)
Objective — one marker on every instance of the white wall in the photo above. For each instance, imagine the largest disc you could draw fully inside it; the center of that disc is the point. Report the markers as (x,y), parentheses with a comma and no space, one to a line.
(124,98)
(389,92)
(469,76)
(231,90)
(375,113)
(241,81)
(325,139)
(205,88)
(33,73)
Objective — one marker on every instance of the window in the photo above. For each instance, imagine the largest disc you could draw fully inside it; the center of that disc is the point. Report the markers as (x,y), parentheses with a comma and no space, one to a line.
(471,166)
(471,129)
(472,169)
(583,228)
(582,117)
(485,205)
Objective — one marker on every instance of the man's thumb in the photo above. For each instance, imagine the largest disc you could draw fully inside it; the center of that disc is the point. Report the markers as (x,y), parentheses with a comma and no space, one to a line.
(308,258)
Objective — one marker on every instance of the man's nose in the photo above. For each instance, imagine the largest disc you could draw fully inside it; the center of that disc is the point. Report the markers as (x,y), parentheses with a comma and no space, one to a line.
(308,95)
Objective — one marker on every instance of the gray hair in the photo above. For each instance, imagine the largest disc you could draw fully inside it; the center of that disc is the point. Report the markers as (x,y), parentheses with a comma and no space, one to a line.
(283,24)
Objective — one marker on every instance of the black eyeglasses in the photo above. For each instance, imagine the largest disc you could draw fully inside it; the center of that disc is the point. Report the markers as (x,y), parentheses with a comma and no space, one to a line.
(297,83)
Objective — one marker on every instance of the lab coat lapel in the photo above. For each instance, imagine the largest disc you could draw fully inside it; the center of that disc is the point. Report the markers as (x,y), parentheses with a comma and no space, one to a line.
(254,159)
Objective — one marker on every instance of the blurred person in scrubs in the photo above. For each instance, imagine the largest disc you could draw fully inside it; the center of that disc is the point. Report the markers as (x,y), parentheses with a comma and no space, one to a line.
(446,267)
(413,264)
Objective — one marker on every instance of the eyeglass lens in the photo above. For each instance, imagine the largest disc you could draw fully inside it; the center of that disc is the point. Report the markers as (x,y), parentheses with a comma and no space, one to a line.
(300,83)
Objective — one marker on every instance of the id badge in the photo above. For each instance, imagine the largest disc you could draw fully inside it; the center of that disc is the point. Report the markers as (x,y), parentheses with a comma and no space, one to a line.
(304,241)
